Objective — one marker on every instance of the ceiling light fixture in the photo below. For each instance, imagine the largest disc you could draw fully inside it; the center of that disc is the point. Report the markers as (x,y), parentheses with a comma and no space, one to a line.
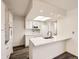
(42,18)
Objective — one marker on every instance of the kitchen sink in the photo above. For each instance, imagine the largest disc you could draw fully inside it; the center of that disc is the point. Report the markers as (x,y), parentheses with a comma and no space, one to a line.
(48,37)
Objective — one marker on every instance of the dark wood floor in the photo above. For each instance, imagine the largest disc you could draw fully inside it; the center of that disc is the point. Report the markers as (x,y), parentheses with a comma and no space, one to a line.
(66,55)
(21,52)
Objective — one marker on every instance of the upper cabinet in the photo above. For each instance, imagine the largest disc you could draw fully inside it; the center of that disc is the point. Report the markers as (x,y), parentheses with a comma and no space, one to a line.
(36,24)
(33,25)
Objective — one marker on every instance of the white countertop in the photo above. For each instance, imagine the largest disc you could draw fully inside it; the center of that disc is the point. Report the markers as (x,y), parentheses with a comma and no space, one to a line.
(41,41)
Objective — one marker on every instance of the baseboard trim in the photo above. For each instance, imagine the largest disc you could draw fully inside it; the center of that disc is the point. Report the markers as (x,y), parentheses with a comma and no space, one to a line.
(19,46)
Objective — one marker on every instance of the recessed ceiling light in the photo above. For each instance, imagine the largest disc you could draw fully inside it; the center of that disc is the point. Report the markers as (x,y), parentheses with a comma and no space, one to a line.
(42,18)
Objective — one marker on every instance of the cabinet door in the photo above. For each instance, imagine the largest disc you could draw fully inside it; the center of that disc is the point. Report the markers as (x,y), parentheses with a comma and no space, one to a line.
(36,23)
(30,24)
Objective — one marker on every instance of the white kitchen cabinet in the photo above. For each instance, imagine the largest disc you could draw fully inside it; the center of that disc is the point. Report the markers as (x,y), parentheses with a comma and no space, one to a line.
(30,24)
(36,23)
(41,50)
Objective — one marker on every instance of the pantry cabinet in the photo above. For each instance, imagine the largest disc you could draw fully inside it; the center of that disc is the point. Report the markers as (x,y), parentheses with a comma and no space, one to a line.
(31,24)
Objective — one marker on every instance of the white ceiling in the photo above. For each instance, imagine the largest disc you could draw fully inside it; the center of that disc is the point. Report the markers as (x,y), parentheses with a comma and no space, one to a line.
(22,7)
(63,4)
(19,7)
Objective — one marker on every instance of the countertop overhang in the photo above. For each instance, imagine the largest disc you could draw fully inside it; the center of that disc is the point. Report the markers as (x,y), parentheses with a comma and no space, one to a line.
(38,41)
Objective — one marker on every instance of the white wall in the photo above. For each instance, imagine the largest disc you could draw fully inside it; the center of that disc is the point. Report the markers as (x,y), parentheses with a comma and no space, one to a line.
(69,25)
(3,54)
(18,32)
(59,27)
(72,45)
